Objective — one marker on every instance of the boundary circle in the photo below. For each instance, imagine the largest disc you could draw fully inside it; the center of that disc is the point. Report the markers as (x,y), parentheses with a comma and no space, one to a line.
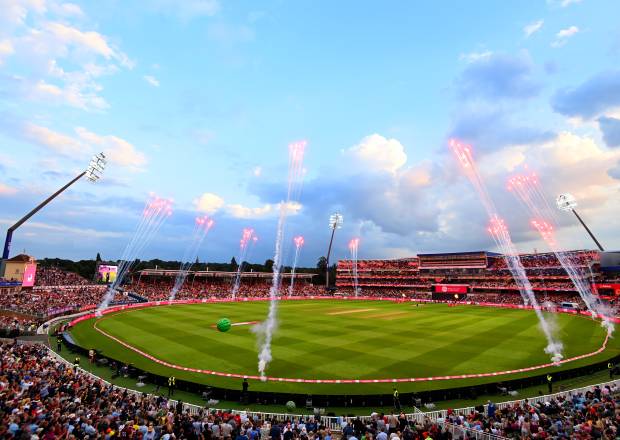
(321,381)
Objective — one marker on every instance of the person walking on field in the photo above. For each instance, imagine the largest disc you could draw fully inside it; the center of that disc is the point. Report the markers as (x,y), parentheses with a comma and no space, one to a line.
(171,384)
(549,384)
(244,393)
(396,400)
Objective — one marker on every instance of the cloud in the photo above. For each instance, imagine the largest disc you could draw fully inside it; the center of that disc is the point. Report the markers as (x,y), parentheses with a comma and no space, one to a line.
(187,9)
(377,153)
(611,130)
(117,150)
(89,41)
(56,61)
(376,187)
(84,143)
(151,80)
(472,57)
(46,228)
(6,49)
(490,129)
(67,9)
(532,28)
(257,171)
(499,76)
(78,93)
(58,142)
(591,98)
(561,38)
(15,12)
(7,190)
(209,203)
(615,171)
(267,210)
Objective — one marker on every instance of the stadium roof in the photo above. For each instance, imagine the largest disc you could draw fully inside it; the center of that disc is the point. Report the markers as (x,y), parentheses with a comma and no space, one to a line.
(21,258)
(487,253)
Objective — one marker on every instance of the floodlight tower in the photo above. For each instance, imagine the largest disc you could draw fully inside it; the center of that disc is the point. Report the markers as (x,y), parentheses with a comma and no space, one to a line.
(92,173)
(335,222)
(566,202)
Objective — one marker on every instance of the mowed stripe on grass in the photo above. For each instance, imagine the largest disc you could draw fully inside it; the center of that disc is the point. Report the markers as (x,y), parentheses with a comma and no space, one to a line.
(348,312)
(315,341)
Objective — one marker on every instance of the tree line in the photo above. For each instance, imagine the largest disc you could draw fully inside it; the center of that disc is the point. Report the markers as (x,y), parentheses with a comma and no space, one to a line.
(87,268)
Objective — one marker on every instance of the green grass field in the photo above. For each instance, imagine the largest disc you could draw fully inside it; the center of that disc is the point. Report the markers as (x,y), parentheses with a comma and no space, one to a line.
(327,339)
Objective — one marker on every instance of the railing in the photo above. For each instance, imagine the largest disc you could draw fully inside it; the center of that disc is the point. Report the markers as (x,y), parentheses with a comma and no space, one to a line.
(461,432)
(441,414)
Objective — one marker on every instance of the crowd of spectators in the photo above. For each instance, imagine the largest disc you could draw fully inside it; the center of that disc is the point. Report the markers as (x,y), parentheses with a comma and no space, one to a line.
(53,276)
(388,265)
(48,302)
(543,270)
(549,260)
(44,398)
(159,289)
(591,415)
(538,285)
(13,325)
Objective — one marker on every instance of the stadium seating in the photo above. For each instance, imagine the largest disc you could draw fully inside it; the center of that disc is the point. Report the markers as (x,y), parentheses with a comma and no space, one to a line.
(45,398)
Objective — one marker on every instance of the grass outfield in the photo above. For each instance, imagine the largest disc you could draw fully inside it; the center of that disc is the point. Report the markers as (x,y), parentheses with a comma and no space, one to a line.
(330,339)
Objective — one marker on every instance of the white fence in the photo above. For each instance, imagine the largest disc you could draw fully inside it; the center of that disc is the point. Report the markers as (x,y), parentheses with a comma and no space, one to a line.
(460,432)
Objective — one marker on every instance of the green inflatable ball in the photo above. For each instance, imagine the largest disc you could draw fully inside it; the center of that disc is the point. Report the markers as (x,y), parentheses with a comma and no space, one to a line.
(223,325)
(290,406)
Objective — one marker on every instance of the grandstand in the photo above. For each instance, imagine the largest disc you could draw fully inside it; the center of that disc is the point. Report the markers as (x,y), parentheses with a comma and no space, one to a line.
(155,284)
(481,275)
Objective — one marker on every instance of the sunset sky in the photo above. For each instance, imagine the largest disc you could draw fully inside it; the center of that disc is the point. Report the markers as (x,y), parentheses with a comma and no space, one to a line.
(197,101)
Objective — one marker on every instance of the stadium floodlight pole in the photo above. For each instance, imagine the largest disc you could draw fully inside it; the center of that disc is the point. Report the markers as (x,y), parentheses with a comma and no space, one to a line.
(335,222)
(92,173)
(566,202)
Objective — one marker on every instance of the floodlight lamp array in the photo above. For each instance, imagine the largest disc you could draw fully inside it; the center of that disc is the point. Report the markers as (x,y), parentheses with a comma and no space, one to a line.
(95,167)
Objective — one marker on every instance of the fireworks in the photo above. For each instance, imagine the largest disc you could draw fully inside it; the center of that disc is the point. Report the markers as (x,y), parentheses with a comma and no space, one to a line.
(526,187)
(265,330)
(248,237)
(299,242)
(353,247)
(501,235)
(156,211)
(202,225)
(545,230)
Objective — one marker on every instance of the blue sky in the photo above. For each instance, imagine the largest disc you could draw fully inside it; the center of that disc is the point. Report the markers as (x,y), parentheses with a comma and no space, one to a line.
(197,101)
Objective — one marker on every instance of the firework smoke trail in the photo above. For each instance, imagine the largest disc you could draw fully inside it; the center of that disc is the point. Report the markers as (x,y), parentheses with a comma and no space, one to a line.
(247,237)
(202,225)
(155,213)
(299,242)
(266,329)
(353,247)
(527,189)
(501,235)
